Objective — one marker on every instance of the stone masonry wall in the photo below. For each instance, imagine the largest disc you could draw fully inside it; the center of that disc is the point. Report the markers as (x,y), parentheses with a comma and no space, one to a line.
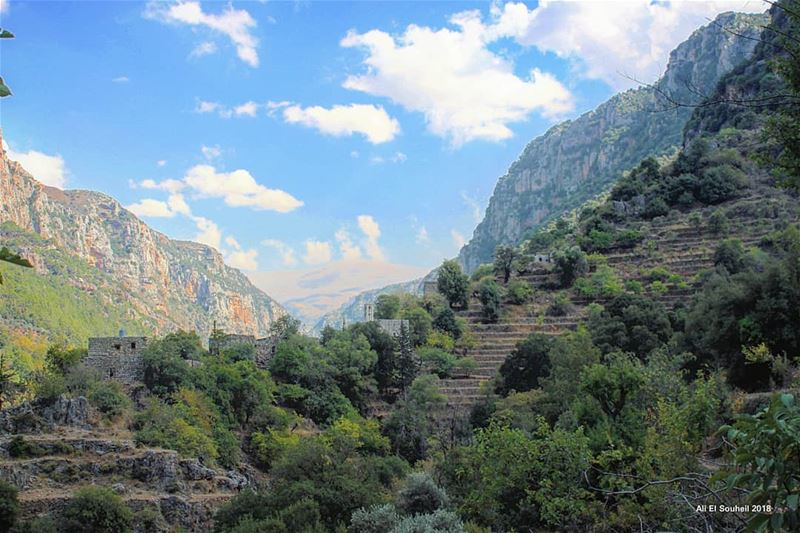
(117,358)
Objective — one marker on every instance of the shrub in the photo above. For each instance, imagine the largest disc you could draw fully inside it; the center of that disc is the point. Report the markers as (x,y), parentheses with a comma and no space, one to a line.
(526,365)
(634,286)
(731,256)
(438,361)
(50,386)
(109,398)
(421,495)
(482,271)
(441,340)
(97,509)
(489,295)
(561,305)
(19,448)
(658,288)
(603,283)
(441,520)
(269,446)
(718,222)
(519,291)
(375,519)
(387,306)
(570,264)
(9,506)
(447,322)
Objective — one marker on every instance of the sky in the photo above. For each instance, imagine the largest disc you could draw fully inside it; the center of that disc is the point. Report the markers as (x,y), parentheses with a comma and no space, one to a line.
(322,147)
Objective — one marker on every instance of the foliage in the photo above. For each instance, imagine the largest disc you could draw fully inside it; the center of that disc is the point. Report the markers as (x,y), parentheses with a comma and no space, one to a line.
(445,320)
(387,306)
(270,445)
(489,294)
(284,327)
(60,358)
(503,260)
(164,360)
(9,506)
(6,255)
(766,452)
(527,364)
(718,222)
(731,255)
(602,283)
(453,284)
(630,323)
(408,362)
(375,519)
(109,398)
(96,510)
(570,264)
(421,495)
(519,291)
(512,481)
(420,323)
(410,426)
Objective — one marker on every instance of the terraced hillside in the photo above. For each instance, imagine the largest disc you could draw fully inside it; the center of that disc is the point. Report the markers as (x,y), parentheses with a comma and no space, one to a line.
(682,244)
(51,451)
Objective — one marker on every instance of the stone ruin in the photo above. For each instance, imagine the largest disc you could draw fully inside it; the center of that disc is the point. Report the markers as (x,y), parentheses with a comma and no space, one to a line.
(264,347)
(391,326)
(117,358)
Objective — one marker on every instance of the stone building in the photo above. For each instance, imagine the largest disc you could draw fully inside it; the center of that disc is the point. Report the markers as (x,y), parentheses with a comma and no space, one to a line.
(390,326)
(264,347)
(117,358)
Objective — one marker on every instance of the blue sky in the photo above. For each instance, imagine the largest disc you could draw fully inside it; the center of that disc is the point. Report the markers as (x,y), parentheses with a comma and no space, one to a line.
(323,147)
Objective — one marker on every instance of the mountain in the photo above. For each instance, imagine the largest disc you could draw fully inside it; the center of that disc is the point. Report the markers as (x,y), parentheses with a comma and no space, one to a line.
(353,310)
(141,277)
(578,159)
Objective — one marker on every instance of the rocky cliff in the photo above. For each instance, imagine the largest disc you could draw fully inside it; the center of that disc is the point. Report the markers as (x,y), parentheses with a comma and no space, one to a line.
(173,284)
(577,159)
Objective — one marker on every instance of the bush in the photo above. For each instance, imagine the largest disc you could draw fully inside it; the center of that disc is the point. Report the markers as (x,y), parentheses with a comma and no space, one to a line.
(561,305)
(387,306)
(375,519)
(731,256)
(570,264)
(489,294)
(526,365)
(421,495)
(519,291)
(718,222)
(603,283)
(270,446)
(97,510)
(447,322)
(9,506)
(109,398)
(50,386)
(487,269)
(438,361)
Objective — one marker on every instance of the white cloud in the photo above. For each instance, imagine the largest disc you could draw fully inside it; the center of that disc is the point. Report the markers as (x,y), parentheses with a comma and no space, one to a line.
(3,6)
(287,254)
(397,157)
(121,79)
(203,49)
(204,106)
(608,38)
(372,232)
(208,232)
(317,252)
(211,152)
(238,189)
(474,206)
(238,257)
(465,90)
(169,185)
(236,24)
(371,121)
(273,107)
(47,169)
(246,109)
(348,250)
(458,239)
(148,207)
(355,154)
(161,162)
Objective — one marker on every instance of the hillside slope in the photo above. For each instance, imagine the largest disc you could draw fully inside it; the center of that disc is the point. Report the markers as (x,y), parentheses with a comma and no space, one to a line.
(175,284)
(577,159)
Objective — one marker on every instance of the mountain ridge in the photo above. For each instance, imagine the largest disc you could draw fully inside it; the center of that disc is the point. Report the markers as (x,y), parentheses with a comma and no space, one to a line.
(180,284)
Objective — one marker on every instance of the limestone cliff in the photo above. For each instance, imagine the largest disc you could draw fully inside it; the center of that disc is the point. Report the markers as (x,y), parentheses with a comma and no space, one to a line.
(577,159)
(174,284)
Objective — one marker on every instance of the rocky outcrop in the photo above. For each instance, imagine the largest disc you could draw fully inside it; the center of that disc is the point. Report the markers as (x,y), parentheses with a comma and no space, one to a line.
(577,159)
(42,415)
(177,284)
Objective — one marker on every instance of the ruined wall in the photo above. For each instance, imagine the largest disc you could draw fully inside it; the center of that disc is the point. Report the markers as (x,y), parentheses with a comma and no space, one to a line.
(117,358)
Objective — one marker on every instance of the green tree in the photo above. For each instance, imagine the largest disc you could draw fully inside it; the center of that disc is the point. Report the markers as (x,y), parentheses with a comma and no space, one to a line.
(453,284)
(96,510)
(284,327)
(387,306)
(410,426)
(421,495)
(526,365)
(10,387)
(570,264)
(489,294)
(503,260)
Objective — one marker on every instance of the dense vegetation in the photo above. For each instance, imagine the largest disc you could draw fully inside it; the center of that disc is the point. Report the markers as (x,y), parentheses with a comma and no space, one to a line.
(630,422)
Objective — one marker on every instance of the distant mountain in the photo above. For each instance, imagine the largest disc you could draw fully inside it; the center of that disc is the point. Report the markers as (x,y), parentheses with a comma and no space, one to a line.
(139,276)
(353,310)
(577,159)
